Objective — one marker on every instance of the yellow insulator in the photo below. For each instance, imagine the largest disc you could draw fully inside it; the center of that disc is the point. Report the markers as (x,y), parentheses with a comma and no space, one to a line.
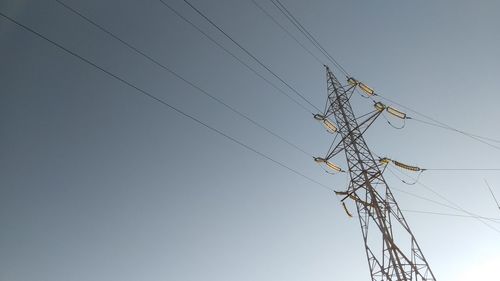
(333,167)
(327,163)
(379,106)
(384,160)
(369,91)
(406,167)
(352,81)
(396,112)
(329,126)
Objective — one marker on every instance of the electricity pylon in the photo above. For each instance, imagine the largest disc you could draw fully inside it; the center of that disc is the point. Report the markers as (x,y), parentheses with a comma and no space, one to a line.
(391,248)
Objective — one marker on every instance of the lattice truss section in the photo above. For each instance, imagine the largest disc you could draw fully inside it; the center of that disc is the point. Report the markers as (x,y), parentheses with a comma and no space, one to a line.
(391,248)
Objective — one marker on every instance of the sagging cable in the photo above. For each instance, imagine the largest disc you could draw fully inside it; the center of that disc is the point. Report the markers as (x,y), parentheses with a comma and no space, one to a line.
(394,126)
(414,180)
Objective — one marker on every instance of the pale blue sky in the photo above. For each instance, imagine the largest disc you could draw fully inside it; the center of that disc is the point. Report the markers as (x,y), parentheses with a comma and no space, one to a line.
(100,183)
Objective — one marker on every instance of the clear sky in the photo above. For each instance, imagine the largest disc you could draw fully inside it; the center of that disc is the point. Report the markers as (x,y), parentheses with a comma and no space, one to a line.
(99,182)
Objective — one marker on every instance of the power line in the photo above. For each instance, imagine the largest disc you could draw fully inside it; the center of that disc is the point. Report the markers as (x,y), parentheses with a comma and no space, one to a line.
(453,204)
(441,124)
(315,42)
(425,198)
(164,67)
(492,194)
(235,57)
(462,169)
(310,37)
(286,31)
(425,169)
(439,203)
(161,101)
(449,214)
(307,34)
(444,126)
(250,54)
(146,93)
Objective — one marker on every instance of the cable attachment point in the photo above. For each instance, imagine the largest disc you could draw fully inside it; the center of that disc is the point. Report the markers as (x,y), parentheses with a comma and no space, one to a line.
(324,162)
(329,125)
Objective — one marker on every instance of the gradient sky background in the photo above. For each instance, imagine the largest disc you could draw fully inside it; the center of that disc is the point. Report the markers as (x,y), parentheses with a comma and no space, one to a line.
(98,182)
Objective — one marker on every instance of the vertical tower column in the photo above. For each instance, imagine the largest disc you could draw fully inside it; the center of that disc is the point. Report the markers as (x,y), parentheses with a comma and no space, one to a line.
(391,248)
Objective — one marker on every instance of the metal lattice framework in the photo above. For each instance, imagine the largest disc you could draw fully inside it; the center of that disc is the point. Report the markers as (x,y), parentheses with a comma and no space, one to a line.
(392,250)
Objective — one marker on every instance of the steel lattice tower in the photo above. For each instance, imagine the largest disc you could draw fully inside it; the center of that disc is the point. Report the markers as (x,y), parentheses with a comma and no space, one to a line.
(391,248)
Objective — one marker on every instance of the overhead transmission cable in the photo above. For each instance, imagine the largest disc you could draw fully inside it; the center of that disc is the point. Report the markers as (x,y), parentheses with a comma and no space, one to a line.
(307,34)
(442,125)
(164,67)
(448,214)
(250,54)
(287,32)
(440,203)
(447,127)
(454,204)
(454,207)
(492,194)
(159,100)
(149,95)
(462,169)
(315,42)
(235,57)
